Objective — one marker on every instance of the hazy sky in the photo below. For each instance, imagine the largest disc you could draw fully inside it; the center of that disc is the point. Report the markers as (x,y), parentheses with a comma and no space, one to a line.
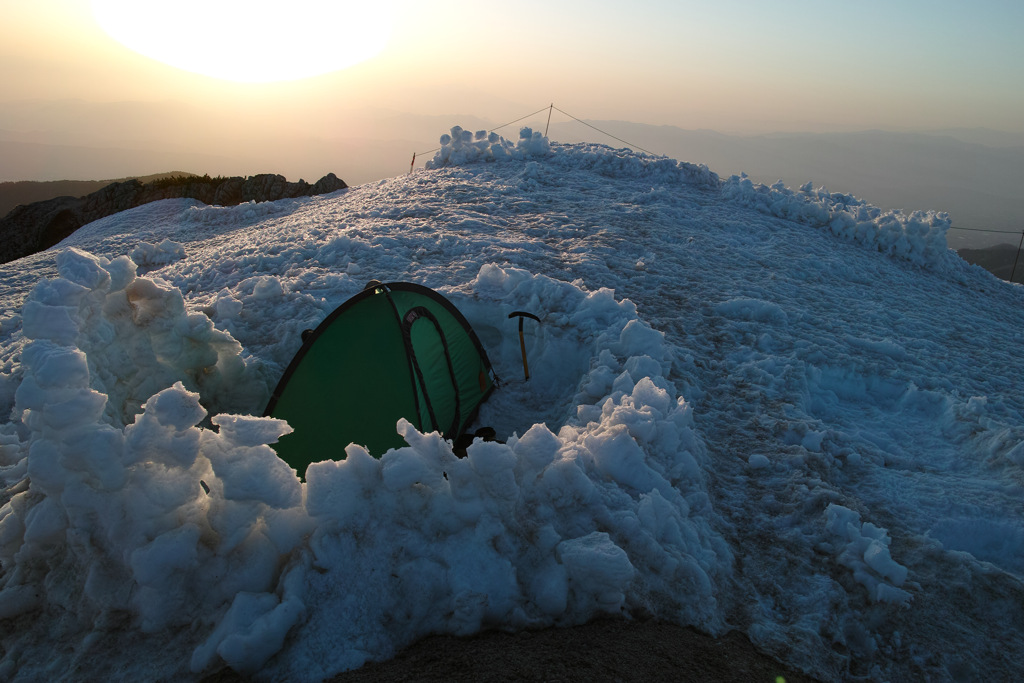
(740,66)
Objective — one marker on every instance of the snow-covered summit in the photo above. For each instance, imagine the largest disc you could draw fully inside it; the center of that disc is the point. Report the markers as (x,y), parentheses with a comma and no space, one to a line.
(781,411)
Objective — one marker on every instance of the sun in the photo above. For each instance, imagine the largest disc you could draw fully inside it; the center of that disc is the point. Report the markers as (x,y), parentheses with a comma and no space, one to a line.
(249,41)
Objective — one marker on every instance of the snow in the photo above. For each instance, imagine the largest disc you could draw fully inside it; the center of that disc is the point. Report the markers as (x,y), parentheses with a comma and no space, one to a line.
(779,411)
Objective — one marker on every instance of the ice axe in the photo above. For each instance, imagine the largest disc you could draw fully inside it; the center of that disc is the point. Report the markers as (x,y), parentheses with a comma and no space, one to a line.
(522,342)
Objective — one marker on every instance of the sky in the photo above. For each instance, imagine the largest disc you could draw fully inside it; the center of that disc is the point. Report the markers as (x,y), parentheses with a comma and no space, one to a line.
(107,89)
(730,66)
(780,412)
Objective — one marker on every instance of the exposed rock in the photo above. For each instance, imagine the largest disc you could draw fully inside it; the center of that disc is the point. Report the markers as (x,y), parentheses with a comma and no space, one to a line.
(34,227)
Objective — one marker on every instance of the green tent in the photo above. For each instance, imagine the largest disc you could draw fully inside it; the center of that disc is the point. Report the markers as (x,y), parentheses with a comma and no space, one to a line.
(393,350)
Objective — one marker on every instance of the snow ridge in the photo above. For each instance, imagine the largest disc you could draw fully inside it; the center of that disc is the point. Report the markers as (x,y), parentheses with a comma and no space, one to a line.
(919,238)
(461,147)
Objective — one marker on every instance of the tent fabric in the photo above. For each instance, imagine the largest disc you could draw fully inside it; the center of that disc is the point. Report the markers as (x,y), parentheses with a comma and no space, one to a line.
(393,350)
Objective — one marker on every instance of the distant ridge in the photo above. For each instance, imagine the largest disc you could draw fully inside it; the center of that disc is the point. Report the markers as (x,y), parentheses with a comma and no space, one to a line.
(998,260)
(34,227)
(15,193)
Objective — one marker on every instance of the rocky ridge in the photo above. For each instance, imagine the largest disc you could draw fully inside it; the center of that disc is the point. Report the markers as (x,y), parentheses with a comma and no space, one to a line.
(34,227)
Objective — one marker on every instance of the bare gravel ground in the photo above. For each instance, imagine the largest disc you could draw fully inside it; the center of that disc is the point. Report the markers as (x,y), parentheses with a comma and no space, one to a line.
(603,650)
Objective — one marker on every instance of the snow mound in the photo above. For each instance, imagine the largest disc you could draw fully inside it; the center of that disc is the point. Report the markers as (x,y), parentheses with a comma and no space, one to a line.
(147,509)
(463,147)
(919,238)
(134,331)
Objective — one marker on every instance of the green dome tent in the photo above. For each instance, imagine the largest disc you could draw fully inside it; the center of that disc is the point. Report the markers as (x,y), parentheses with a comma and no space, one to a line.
(393,350)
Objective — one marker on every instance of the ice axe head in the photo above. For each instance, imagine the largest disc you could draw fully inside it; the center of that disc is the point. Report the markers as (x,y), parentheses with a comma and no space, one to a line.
(522,342)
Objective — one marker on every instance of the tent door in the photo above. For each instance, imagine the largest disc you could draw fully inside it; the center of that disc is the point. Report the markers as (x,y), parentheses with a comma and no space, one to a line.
(433,370)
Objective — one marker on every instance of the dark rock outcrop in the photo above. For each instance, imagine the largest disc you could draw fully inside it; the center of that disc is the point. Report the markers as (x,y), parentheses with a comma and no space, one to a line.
(34,227)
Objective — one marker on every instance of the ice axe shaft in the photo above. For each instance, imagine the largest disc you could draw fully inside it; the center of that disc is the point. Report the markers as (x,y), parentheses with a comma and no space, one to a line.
(522,342)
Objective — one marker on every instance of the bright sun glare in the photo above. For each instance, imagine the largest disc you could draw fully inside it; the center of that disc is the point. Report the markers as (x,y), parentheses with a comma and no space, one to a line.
(249,41)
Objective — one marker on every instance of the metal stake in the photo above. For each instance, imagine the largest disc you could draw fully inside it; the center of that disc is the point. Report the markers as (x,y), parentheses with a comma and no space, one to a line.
(1015,258)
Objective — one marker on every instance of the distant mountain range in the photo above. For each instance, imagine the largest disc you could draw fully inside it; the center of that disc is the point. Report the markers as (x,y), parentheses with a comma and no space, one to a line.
(29,228)
(28,191)
(1002,260)
(977,184)
(971,173)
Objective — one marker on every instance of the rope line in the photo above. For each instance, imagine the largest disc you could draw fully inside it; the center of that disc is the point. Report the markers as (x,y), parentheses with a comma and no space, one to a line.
(550,107)
(625,142)
(519,119)
(1005,232)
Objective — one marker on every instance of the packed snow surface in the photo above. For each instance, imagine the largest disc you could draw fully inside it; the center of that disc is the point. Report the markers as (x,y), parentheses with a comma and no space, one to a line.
(757,408)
